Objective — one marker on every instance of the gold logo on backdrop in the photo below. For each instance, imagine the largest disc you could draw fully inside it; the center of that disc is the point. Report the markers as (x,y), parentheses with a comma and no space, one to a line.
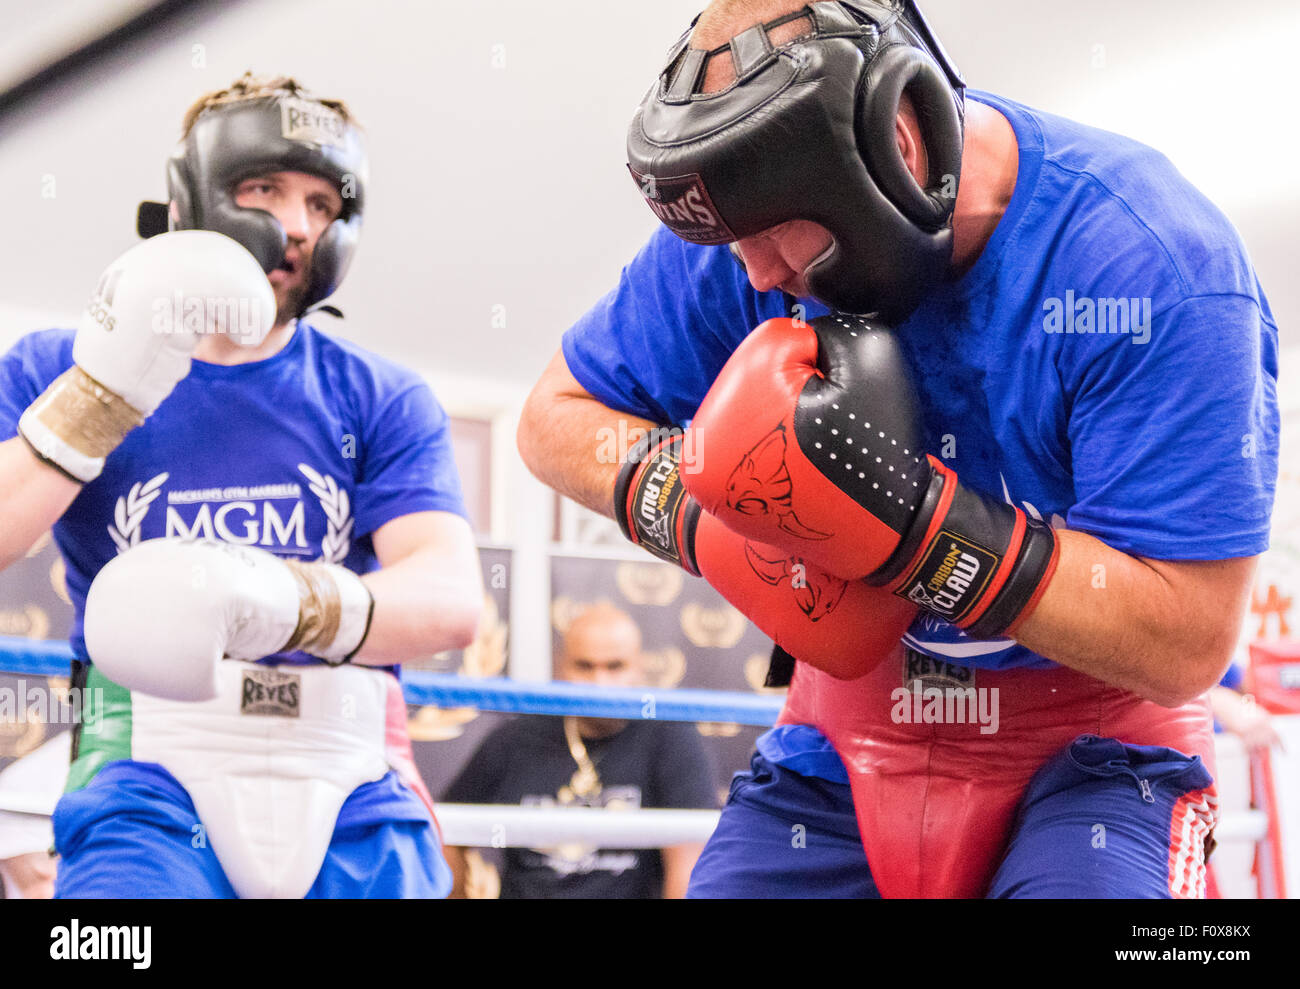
(59,579)
(649,583)
(756,674)
(720,627)
(17,738)
(436,724)
(663,667)
(564,610)
(717,729)
(40,543)
(30,623)
(486,655)
(60,689)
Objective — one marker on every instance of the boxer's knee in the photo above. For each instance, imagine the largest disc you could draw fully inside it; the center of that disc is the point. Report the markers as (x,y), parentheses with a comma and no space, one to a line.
(1104,819)
(124,842)
(782,834)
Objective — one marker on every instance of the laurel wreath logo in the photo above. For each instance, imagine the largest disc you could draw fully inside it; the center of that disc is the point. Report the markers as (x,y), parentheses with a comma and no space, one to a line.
(129,514)
(338,514)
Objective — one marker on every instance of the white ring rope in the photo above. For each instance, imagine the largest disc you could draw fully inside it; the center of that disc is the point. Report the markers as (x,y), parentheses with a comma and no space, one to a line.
(512,826)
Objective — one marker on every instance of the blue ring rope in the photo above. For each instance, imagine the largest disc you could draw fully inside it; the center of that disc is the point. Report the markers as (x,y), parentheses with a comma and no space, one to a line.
(43,658)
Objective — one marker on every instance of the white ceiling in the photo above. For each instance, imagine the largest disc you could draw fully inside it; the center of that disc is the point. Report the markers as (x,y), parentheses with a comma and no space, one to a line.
(506,186)
(31,35)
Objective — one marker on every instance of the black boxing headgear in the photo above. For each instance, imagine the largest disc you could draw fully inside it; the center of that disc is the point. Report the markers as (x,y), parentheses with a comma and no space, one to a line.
(806,132)
(286,132)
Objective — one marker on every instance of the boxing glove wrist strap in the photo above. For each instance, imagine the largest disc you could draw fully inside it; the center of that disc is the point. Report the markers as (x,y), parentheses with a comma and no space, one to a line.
(77,423)
(651,504)
(976,562)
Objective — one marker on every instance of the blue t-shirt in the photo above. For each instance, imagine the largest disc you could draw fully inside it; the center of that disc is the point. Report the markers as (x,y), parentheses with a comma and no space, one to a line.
(1158,436)
(304,454)
(1234,677)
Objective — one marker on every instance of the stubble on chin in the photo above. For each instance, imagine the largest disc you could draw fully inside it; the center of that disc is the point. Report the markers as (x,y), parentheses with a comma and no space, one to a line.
(289,303)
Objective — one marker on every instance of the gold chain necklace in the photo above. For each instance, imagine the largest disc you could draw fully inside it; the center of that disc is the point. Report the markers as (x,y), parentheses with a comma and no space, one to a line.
(586,781)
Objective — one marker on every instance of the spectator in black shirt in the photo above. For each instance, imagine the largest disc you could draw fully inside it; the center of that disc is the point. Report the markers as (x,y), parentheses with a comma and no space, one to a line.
(593,762)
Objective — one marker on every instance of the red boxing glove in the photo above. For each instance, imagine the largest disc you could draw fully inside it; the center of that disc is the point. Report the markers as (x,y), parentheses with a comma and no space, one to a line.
(842,627)
(814,443)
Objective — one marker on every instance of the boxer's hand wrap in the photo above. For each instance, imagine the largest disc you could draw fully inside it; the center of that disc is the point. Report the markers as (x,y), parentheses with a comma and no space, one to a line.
(815,445)
(334,612)
(135,339)
(651,504)
(76,423)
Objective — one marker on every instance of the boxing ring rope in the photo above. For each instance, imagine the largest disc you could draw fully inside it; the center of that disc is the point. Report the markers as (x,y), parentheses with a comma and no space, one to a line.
(512,826)
(489,825)
(25,656)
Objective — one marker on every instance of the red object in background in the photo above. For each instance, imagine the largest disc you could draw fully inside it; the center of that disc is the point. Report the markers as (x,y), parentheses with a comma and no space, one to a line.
(1272,604)
(1274,676)
(1270,859)
(1211,883)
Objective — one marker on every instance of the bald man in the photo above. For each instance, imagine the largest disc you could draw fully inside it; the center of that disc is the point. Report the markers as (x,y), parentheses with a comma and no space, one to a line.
(603,647)
(1059,298)
(590,762)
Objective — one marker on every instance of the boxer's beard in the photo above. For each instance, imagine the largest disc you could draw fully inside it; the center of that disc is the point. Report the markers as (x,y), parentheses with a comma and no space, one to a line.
(291,305)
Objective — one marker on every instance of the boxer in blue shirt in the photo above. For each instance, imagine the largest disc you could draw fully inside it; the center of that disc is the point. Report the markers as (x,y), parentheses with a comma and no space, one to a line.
(1092,370)
(259,522)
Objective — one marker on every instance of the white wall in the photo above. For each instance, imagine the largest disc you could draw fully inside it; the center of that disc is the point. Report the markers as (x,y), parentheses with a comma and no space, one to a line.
(497,132)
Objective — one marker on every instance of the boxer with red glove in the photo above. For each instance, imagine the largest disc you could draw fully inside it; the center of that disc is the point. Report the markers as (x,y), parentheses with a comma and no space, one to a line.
(841,626)
(836,474)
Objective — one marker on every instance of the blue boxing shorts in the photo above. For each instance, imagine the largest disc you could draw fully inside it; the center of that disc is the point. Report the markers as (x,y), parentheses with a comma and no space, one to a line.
(1105,820)
(783,834)
(133,832)
(1101,819)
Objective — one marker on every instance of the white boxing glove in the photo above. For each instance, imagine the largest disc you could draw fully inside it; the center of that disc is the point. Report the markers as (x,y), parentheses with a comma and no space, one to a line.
(135,340)
(162,615)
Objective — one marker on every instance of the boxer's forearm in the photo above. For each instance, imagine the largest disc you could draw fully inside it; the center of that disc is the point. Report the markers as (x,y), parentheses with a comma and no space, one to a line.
(1164,630)
(572,442)
(33,495)
(424,603)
